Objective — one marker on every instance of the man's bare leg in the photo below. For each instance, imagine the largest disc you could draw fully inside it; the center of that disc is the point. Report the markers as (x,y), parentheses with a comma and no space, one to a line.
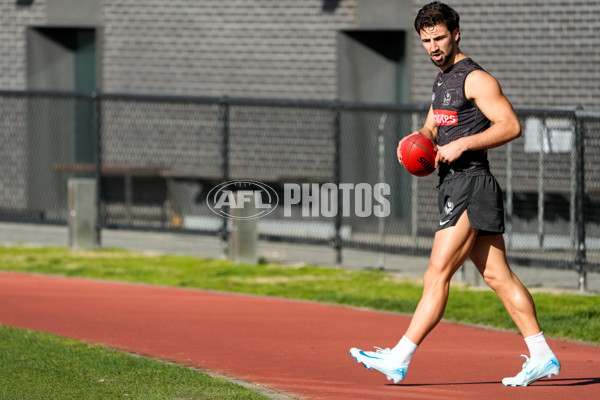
(489,256)
(451,247)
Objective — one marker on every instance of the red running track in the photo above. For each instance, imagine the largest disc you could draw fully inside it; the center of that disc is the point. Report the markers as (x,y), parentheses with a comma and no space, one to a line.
(294,347)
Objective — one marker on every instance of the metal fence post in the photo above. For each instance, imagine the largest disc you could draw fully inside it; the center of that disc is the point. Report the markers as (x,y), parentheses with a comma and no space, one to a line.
(509,195)
(541,195)
(381,177)
(573,186)
(337,132)
(97,124)
(224,116)
(580,257)
(414,195)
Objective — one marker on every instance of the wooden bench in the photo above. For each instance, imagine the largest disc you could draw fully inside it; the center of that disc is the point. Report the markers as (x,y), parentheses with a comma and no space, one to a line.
(128,173)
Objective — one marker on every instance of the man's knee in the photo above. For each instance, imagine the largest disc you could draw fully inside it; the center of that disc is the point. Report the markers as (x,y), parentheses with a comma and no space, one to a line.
(498,279)
(491,280)
(437,273)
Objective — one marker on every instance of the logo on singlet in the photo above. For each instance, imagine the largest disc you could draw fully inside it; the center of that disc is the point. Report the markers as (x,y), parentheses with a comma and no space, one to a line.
(447,99)
(445,117)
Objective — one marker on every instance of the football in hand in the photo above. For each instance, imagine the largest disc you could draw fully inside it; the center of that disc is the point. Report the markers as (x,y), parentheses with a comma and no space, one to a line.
(417,154)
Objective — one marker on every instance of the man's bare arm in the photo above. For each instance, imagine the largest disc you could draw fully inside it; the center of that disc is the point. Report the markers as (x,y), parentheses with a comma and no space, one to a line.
(485,92)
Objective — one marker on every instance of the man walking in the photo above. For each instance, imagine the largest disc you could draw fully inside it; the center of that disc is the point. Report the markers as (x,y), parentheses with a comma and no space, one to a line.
(469,114)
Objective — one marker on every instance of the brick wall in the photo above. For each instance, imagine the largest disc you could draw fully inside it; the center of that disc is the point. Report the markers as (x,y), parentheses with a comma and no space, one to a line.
(13,162)
(543,53)
(263,48)
(14,20)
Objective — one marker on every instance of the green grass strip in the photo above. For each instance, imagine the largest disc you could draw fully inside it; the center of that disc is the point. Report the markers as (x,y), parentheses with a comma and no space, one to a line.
(569,316)
(40,366)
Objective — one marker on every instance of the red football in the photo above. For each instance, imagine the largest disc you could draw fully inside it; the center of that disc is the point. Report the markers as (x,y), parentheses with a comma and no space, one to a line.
(417,154)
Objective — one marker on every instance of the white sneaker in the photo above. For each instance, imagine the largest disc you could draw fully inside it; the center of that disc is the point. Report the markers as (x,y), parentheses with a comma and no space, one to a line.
(533,370)
(382,361)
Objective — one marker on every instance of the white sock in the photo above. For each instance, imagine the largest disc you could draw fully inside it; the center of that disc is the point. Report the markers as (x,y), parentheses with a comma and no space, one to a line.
(404,350)
(538,347)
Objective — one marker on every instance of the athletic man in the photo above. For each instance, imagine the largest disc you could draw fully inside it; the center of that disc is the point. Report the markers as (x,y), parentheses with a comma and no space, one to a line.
(466,101)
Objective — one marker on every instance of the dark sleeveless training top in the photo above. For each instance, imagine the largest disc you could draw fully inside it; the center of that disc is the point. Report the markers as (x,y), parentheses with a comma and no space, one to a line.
(456,117)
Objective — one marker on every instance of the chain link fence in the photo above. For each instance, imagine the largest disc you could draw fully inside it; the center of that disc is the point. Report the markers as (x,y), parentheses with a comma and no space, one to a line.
(156,158)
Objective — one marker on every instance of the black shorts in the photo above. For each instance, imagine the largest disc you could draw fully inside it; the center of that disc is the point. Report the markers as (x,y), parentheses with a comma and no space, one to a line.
(480,195)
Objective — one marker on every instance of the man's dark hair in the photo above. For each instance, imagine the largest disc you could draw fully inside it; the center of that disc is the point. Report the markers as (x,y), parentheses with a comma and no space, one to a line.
(436,13)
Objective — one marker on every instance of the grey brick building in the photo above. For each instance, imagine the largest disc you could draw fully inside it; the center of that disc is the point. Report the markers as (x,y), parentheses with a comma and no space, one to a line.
(544,53)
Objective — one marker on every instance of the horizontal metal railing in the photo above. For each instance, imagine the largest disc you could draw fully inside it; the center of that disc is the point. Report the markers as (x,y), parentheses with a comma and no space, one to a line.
(155,157)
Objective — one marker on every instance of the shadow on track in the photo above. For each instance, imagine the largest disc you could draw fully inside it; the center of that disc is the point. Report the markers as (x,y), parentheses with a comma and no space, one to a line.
(545,382)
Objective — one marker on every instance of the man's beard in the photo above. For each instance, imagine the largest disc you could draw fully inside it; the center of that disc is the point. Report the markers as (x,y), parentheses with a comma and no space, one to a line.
(444,60)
